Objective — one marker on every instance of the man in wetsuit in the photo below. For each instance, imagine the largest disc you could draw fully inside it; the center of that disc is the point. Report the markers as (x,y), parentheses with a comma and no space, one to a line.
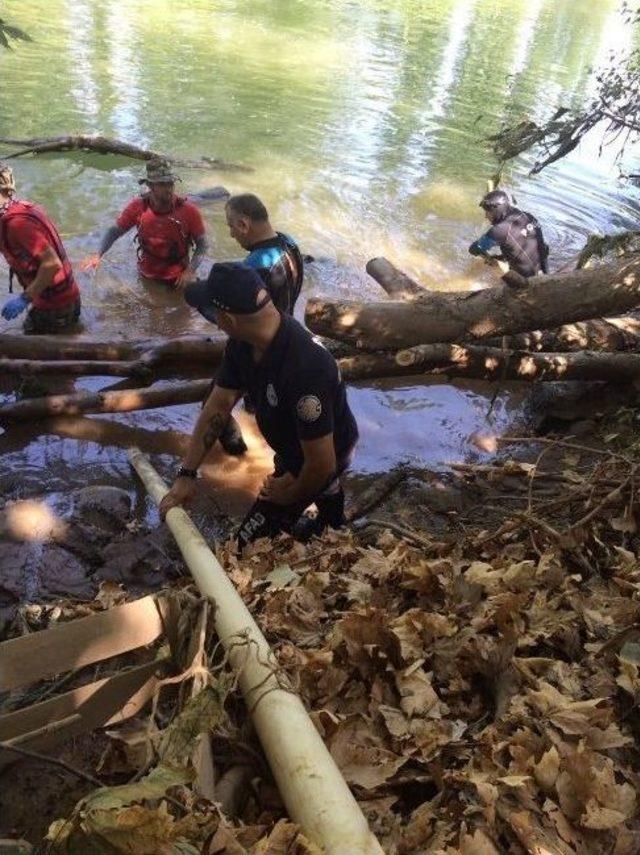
(300,399)
(32,247)
(168,228)
(515,233)
(273,254)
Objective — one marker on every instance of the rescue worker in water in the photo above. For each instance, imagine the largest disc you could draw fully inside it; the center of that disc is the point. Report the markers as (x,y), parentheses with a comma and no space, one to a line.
(515,233)
(168,227)
(36,256)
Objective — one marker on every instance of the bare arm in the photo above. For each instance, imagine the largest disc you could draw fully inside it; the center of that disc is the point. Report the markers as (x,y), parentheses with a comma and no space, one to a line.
(110,237)
(50,264)
(201,247)
(317,470)
(91,262)
(212,419)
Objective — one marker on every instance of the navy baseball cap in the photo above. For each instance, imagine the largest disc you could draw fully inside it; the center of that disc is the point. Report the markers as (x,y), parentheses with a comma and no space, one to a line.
(230,287)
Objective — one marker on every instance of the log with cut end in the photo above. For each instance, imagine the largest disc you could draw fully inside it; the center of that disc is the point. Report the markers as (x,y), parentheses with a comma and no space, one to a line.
(125,401)
(543,302)
(396,283)
(493,363)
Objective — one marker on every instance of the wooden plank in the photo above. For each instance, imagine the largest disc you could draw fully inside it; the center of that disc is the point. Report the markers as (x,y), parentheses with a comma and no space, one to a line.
(42,731)
(106,702)
(79,642)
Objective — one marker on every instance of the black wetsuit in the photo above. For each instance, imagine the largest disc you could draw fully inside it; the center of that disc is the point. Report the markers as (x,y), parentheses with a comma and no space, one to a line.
(520,240)
(279,263)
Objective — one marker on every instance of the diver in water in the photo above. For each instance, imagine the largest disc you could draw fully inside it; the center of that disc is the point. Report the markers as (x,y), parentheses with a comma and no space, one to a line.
(515,233)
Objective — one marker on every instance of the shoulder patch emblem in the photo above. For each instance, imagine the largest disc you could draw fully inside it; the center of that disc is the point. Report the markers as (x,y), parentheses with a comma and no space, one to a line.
(309,408)
(272,397)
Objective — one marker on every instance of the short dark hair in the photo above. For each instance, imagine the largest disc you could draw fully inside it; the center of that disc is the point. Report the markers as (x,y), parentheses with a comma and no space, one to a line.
(248,205)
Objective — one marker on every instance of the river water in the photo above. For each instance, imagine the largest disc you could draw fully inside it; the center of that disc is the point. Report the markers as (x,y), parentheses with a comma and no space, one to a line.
(362,122)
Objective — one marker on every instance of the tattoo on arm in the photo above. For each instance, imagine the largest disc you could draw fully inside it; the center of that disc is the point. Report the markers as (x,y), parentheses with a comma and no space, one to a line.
(213,429)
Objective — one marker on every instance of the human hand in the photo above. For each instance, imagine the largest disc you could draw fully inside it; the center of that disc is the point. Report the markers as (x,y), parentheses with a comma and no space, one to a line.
(14,306)
(90,262)
(181,493)
(278,489)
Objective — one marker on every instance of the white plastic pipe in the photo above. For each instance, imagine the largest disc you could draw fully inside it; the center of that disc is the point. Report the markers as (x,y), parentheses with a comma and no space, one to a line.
(312,787)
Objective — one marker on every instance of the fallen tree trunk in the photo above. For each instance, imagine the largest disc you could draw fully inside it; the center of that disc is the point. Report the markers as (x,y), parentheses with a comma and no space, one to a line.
(545,302)
(493,363)
(452,360)
(396,283)
(610,334)
(107,145)
(604,334)
(154,353)
(75,368)
(32,409)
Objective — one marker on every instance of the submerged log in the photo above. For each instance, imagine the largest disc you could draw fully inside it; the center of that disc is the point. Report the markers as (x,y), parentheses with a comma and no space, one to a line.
(107,145)
(544,302)
(32,409)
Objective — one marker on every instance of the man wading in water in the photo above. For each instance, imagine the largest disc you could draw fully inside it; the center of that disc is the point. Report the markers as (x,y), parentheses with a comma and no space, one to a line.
(32,247)
(300,402)
(273,254)
(168,226)
(515,233)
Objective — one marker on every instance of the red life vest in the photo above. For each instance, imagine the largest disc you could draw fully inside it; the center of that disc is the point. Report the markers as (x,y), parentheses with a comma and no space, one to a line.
(64,289)
(161,236)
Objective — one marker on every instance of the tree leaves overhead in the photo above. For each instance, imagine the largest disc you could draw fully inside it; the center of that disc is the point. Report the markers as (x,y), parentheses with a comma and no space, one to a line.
(615,106)
(8,31)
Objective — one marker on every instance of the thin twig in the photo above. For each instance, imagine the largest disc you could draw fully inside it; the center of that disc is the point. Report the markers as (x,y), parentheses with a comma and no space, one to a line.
(55,761)
(562,444)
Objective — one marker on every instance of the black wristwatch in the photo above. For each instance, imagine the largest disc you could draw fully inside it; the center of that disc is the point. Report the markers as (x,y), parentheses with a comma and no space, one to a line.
(183,472)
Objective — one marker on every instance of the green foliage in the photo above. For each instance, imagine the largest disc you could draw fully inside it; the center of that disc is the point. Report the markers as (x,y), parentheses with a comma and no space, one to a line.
(8,31)
(616,105)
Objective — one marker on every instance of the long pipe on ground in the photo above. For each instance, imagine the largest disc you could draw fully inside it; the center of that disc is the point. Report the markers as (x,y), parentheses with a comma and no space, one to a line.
(312,787)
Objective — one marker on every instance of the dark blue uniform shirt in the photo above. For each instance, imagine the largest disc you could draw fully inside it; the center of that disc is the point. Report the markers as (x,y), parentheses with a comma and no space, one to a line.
(297,392)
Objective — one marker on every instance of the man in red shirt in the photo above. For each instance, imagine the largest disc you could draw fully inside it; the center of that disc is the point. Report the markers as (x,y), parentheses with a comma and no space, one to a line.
(32,247)
(168,227)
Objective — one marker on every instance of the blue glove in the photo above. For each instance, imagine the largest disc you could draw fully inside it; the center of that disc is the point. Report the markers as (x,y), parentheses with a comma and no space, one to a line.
(14,307)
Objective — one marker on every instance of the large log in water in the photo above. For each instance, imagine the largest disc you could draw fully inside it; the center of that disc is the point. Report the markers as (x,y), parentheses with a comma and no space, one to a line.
(32,409)
(493,363)
(70,368)
(453,360)
(193,350)
(545,302)
(621,333)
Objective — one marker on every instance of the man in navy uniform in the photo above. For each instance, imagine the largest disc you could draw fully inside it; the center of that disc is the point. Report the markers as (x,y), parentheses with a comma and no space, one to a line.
(300,400)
